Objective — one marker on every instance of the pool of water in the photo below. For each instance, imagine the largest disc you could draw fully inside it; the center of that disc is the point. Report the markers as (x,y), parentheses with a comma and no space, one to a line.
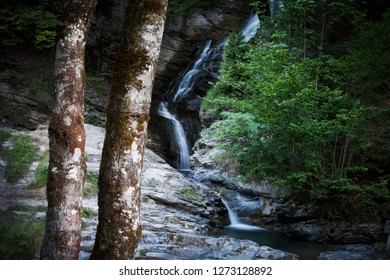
(304,250)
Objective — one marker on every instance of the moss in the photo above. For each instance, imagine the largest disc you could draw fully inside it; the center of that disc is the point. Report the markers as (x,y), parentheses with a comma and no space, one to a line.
(27,208)
(153,183)
(4,135)
(20,236)
(91,185)
(87,213)
(142,121)
(132,52)
(190,194)
(20,157)
(41,172)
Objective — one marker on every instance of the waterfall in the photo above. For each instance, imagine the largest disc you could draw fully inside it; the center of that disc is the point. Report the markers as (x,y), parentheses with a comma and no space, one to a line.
(235,222)
(181,90)
(183,157)
(184,87)
(190,77)
(250,29)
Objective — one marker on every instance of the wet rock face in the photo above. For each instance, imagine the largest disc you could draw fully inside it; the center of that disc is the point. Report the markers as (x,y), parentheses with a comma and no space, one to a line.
(176,212)
(185,34)
(159,245)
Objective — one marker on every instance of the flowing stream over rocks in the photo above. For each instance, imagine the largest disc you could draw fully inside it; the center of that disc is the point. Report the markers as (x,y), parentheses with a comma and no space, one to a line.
(183,217)
(256,206)
(177,213)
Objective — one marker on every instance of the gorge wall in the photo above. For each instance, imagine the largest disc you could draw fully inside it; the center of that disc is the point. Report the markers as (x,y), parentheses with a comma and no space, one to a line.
(184,36)
(27,81)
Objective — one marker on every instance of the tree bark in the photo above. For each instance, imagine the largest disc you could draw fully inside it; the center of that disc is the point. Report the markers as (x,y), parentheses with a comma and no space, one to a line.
(119,228)
(67,137)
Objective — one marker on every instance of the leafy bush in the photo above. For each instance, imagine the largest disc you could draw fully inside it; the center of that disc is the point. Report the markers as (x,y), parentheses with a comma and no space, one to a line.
(28,24)
(288,114)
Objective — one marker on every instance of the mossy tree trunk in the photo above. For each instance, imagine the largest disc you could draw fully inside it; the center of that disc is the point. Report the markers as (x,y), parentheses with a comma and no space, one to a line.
(119,228)
(67,136)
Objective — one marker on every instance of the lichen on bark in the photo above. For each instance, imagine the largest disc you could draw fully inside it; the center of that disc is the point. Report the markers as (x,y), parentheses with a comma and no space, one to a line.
(119,229)
(67,166)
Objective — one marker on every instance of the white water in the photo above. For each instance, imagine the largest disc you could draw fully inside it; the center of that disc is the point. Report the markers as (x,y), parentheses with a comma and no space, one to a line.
(189,79)
(235,222)
(183,89)
(250,29)
(183,157)
(185,86)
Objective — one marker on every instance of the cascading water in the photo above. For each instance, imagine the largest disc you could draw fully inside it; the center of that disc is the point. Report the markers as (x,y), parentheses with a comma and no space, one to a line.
(180,91)
(185,87)
(250,29)
(236,229)
(190,77)
(235,222)
(183,159)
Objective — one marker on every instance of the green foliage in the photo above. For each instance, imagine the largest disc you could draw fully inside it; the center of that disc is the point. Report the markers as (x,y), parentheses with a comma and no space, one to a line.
(87,213)
(20,157)
(20,237)
(28,24)
(291,110)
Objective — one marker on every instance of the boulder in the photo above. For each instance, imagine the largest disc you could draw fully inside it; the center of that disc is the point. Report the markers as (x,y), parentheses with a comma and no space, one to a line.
(360,233)
(310,231)
(160,245)
(353,252)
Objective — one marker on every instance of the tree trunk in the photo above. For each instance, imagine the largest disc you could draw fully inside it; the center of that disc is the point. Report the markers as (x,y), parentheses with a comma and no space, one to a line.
(119,228)
(67,137)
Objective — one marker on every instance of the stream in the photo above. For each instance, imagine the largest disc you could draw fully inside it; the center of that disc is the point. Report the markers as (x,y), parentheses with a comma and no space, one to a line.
(240,208)
(262,236)
(183,89)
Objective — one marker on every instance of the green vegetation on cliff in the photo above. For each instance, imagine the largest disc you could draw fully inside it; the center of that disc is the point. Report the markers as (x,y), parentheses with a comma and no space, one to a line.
(305,105)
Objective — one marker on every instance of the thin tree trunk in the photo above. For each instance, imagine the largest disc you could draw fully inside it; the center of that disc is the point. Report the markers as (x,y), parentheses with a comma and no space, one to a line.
(67,137)
(119,229)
